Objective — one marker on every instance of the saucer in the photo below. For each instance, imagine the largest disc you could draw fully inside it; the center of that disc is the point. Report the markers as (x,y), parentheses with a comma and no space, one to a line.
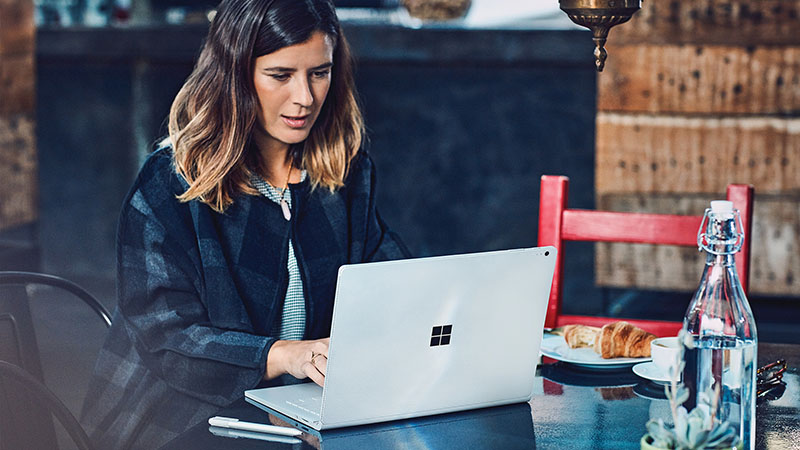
(650,371)
(650,391)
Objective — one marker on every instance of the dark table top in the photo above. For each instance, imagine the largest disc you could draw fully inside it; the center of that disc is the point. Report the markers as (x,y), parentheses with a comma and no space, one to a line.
(570,408)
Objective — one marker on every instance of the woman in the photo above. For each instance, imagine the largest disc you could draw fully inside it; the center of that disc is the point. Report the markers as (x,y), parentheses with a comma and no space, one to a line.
(232,235)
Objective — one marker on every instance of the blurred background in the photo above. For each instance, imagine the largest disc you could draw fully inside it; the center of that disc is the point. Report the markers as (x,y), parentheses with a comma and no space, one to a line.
(464,116)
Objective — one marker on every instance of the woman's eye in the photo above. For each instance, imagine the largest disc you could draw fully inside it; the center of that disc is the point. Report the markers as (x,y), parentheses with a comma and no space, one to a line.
(280,77)
(321,73)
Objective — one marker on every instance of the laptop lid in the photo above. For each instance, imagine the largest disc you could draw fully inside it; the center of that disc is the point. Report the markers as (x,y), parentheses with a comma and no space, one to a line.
(425,336)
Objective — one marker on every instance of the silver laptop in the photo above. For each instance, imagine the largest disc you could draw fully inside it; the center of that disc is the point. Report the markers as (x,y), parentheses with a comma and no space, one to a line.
(425,336)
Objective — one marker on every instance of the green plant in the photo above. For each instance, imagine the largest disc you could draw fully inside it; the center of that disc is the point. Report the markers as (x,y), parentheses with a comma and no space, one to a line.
(697,429)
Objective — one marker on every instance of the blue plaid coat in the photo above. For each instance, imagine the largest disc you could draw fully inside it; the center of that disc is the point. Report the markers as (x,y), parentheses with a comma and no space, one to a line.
(198,292)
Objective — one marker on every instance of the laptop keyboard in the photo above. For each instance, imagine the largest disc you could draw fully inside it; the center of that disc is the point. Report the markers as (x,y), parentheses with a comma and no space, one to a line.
(311,405)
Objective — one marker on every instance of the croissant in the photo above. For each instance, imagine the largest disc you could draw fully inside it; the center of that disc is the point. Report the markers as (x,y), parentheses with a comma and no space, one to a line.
(616,393)
(580,335)
(621,339)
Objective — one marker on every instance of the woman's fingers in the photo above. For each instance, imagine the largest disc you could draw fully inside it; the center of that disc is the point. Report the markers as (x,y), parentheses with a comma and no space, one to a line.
(321,363)
(300,359)
(321,346)
(311,372)
(317,366)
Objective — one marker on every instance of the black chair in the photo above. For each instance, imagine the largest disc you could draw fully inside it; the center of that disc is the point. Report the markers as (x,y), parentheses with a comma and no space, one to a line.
(16,382)
(25,423)
(28,278)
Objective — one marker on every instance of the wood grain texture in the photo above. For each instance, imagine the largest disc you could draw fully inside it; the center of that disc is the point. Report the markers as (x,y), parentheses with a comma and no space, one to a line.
(17,84)
(775,257)
(17,30)
(639,153)
(17,170)
(698,94)
(740,22)
(701,80)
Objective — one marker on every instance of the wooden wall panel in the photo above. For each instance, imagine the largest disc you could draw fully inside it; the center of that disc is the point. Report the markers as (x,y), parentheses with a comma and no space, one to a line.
(17,109)
(17,33)
(17,84)
(698,94)
(680,154)
(775,263)
(650,266)
(700,79)
(17,170)
(726,22)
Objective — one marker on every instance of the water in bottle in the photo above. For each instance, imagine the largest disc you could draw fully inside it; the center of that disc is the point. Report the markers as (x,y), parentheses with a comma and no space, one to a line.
(721,361)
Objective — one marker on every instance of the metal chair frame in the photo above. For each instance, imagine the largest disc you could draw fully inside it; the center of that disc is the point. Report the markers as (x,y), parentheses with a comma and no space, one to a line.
(27,278)
(20,364)
(45,397)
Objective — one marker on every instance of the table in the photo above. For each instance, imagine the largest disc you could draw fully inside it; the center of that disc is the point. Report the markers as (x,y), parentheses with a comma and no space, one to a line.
(570,409)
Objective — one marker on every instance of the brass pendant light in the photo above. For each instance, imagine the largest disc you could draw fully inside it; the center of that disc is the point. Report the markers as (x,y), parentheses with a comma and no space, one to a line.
(599,16)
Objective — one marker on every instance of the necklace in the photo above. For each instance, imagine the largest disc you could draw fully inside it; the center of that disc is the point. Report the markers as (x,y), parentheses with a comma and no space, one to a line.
(287,213)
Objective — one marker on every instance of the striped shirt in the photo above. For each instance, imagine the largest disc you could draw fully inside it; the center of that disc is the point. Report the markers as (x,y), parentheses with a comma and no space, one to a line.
(291,324)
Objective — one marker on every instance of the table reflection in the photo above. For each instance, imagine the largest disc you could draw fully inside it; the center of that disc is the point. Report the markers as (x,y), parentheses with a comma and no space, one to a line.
(506,427)
(570,375)
(571,408)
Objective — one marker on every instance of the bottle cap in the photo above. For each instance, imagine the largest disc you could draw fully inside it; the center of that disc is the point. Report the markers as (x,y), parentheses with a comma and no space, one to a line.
(722,207)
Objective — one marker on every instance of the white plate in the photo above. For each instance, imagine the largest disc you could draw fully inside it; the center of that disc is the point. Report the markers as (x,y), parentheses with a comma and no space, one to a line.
(650,371)
(554,346)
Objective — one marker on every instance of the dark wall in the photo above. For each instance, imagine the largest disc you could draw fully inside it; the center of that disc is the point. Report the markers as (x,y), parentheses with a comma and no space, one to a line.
(462,123)
(460,149)
(84,136)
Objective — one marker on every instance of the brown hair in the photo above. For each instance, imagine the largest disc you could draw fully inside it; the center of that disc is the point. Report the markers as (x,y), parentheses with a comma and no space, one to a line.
(213,115)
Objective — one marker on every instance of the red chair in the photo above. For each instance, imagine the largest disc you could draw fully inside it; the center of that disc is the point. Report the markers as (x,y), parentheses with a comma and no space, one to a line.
(557,224)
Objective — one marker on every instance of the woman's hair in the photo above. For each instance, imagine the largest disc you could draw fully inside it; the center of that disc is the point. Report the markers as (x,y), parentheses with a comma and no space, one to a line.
(212,117)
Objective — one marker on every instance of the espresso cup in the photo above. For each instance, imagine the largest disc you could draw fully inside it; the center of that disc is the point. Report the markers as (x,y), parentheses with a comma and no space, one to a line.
(664,352)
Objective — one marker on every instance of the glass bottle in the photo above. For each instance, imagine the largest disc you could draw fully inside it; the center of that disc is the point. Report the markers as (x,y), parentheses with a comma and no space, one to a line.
(720,358)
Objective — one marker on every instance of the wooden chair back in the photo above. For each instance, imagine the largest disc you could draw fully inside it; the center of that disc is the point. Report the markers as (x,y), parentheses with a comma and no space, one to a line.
(558,223)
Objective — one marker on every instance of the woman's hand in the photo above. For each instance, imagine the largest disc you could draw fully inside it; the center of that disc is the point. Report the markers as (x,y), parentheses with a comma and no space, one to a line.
(300,359)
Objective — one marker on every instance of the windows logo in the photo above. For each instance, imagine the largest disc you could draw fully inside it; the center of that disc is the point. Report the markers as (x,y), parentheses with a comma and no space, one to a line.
(441,335)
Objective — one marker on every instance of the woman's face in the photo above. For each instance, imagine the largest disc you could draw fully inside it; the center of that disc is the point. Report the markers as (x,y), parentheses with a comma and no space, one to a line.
(291,85)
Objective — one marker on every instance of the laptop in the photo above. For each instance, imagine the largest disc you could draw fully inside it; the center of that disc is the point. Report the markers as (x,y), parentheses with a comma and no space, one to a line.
(425,336)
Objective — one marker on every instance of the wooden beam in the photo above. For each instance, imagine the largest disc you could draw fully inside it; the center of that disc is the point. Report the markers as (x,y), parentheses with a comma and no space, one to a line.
(17,170)
(729,22)
(639,153)
(17,84)
(701,79)
(17,31)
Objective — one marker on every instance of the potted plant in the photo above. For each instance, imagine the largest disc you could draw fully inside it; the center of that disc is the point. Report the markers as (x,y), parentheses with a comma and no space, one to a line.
(697,429)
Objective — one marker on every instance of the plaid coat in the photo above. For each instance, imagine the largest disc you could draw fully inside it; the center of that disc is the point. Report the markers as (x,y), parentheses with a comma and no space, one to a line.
(198,292)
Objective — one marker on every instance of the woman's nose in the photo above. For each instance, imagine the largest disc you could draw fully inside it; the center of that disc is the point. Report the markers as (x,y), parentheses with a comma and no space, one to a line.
(301,93)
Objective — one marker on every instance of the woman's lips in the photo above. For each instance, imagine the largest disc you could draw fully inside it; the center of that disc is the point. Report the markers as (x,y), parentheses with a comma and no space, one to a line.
(296,121)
